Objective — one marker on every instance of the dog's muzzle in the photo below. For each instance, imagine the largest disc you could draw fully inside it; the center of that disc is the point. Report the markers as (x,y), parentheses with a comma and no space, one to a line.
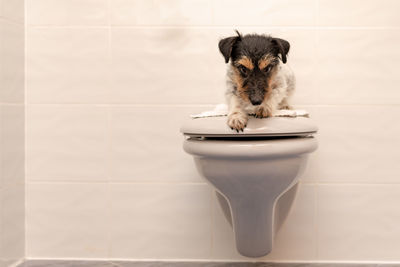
(256,96)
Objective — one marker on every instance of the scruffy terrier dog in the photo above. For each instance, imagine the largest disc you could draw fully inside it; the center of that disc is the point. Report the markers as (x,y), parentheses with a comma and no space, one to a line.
(259,82)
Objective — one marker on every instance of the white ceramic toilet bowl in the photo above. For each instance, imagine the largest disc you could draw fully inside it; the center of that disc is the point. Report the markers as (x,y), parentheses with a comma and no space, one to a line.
(251,170)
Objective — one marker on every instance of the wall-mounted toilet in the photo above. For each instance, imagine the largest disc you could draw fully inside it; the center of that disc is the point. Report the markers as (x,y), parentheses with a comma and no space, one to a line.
(251,170)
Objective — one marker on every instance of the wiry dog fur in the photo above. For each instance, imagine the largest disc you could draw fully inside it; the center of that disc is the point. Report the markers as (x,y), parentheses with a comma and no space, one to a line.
(258,80)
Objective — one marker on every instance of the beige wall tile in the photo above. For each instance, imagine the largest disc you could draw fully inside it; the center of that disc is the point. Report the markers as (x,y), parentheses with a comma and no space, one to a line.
(12,62)
(170,12)
(67,12)
(160,220)
(146,145)
(374,13)
(358,67)
(12,223)
(67,65)
(67,143)
(12,144)
(265,13)
(358,223)
(12,10)
(295,241)
(67,220)
(165,65)
(12,201)
(356,145)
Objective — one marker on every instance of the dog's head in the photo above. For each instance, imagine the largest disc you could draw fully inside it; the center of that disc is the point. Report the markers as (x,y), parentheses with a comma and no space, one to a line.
(254,60)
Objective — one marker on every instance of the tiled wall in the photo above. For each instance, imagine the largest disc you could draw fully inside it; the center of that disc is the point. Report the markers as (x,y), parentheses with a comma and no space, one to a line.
(110,82)
(12,165)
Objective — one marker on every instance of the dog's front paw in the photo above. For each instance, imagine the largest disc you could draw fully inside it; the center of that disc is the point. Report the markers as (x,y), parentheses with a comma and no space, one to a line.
(262,112)
(237,121)
(287,106)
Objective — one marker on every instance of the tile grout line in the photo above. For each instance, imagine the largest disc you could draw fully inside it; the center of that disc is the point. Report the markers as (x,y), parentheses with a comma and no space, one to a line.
(317,70)
(212,223)
(282,27)
(113,183)
(109,139)
(48,181)
(121,105)
(14,22)
(25,127)
(316,92)
(316,13)
(8,104)
(316,224)
(341,263)
(189,105)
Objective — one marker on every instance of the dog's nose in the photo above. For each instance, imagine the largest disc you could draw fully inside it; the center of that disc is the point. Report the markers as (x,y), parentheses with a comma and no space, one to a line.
(256,102)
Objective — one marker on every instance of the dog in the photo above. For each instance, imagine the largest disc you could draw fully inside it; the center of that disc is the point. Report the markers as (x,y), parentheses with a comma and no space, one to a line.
(259,81)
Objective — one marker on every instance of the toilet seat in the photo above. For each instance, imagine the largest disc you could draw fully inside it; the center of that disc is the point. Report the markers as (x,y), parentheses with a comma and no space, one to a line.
(216,127)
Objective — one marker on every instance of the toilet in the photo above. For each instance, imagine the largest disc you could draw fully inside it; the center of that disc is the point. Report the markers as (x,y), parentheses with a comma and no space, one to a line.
(251,170)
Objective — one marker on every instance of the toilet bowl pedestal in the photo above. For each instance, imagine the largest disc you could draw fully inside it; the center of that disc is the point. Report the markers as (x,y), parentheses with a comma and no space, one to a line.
(283,207)
(244,190)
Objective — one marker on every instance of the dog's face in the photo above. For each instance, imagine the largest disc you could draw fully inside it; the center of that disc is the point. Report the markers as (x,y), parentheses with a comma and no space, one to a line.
(254,60)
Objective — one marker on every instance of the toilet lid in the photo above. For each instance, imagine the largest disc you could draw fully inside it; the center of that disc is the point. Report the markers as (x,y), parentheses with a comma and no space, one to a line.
(267,127)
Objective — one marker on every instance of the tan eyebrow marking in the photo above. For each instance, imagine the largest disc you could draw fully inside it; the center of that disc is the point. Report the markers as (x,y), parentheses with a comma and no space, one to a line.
(265,61)
(245,61)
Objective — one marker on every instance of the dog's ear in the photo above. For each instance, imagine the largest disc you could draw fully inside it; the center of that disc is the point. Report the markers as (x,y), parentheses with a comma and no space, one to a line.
(226,45)
(283,47)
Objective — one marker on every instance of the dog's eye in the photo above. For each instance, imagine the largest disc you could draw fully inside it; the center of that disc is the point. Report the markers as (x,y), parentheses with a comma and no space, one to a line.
(243,70)
(267,68)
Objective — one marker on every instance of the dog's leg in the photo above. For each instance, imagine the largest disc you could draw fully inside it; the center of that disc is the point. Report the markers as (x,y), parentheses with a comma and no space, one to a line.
(237,117)
(263,112)
(269,107)
(284,104)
